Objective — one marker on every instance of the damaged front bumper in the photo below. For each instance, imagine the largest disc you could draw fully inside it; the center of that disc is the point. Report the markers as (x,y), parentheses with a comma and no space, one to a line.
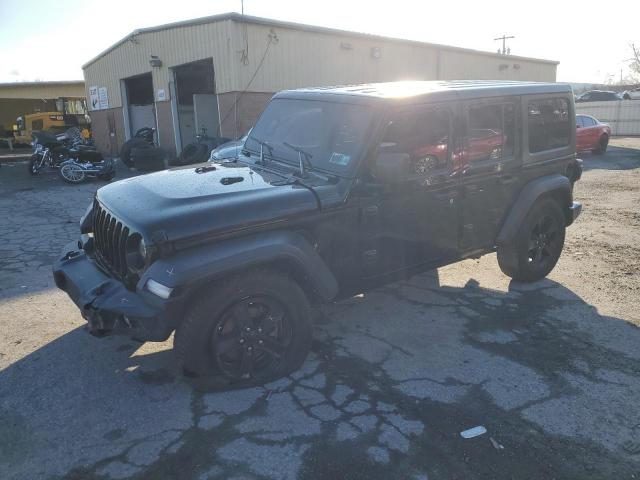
(107,305)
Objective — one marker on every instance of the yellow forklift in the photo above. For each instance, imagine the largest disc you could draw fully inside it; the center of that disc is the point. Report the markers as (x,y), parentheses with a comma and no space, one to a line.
(71,113)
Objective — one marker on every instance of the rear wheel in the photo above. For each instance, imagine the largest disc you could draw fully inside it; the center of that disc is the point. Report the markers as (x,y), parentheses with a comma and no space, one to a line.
(603,143)
(247,330)
(537,246)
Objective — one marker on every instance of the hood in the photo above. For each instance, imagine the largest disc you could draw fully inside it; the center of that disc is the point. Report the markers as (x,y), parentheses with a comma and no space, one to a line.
(228,150)
(206,199)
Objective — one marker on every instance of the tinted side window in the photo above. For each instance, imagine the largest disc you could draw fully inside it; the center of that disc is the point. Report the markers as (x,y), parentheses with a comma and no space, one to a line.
(588,121)
(579,121)
(491,132)
(423,135)
(37,124)
(549,124)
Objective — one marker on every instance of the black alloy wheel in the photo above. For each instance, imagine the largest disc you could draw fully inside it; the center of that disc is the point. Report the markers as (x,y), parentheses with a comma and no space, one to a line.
(543,242)
(244,330)
(537,246)
(252,338)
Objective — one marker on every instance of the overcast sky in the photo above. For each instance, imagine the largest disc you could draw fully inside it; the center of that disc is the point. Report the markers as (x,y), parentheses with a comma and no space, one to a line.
(50,40)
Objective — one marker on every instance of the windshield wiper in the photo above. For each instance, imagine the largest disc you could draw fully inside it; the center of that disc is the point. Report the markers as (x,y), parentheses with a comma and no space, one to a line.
(303,157)
(263,145)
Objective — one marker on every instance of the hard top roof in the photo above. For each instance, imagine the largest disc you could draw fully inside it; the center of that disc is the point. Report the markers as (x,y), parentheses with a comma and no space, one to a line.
(424,90)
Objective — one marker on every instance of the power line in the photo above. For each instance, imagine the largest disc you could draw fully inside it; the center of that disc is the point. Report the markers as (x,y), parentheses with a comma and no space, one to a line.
(273,38)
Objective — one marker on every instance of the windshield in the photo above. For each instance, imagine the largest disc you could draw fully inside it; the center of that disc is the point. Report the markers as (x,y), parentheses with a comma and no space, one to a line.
(332,133)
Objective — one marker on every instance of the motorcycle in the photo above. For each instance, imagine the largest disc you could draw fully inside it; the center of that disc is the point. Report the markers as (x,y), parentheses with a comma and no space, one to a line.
(48,150)
(75,159)
(76,171)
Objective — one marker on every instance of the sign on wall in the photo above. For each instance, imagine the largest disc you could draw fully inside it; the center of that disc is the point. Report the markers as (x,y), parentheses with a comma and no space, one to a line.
(93,98)
(103,98)
(162,95)
(98,98)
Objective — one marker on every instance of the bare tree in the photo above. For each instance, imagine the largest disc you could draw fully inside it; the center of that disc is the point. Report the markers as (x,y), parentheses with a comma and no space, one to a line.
(634,64)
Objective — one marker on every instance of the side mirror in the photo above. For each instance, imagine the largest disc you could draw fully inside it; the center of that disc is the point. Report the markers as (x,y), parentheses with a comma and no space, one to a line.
(391,167)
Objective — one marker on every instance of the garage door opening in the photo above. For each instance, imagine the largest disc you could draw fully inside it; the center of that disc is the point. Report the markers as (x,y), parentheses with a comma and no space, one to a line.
(140,105)
(197,101)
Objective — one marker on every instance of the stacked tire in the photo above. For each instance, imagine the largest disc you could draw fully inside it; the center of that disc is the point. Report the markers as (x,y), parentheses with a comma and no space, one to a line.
(148,158)
(129,145)
(194,153)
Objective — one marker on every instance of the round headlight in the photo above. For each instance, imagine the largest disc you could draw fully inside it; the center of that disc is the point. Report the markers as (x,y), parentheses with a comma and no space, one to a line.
(136,252)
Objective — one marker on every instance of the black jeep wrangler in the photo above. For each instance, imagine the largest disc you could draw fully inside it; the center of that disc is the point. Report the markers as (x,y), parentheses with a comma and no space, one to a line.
(336,191)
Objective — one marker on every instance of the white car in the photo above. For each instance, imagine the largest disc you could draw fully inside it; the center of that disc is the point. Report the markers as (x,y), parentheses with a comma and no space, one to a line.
(633,94)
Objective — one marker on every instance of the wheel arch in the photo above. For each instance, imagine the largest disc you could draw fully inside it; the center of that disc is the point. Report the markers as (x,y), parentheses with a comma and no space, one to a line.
(284,251)
(556,187)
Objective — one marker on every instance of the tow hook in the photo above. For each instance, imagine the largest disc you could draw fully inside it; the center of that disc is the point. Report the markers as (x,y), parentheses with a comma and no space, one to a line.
(70,255)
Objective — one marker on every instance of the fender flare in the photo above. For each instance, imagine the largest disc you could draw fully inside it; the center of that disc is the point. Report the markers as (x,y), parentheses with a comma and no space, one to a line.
(531,192)
(198,265)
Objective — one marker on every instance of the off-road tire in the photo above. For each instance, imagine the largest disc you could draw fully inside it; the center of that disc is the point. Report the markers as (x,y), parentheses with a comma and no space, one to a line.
(149,158)
(603,143)
(125,151)
(514,258)
(193,340)
(194,153)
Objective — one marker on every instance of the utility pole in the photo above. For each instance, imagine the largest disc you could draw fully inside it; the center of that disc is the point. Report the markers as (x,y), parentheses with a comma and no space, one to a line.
(504,39)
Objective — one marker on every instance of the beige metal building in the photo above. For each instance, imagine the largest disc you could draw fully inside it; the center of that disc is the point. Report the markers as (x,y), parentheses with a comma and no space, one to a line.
(30,97)
(218,73)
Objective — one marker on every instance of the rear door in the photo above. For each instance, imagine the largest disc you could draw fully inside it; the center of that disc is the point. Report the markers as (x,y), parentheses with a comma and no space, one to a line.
(488,177)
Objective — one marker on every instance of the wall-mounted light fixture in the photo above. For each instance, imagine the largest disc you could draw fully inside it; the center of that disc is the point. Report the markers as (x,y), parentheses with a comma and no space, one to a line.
(375,52)
(516,66)
(346,46)
(155,62)
(503,66)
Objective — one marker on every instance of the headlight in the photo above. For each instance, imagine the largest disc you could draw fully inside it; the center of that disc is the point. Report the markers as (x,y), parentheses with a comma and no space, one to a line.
(136,253)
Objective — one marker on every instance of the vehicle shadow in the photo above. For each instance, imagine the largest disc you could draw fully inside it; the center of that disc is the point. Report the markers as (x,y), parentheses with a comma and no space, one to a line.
(616,158)
(394,376)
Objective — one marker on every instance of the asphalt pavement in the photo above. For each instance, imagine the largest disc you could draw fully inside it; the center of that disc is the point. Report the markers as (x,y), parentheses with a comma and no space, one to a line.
(551,370)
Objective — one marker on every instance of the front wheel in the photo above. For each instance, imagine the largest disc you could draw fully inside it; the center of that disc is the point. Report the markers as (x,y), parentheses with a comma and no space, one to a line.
(36,162)
(537,246)
(246,330)
(72,173)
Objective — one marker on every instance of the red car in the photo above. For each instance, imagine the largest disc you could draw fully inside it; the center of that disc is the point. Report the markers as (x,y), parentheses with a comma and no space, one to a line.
(591,134)
(482,144)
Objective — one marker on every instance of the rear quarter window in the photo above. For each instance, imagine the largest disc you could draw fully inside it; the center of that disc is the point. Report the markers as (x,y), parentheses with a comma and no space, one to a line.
(549,124)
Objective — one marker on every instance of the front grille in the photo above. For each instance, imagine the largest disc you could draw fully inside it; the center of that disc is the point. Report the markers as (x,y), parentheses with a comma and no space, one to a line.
(110,241)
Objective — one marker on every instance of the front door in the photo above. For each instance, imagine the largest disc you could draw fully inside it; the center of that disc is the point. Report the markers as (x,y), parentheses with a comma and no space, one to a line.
(410,221)
(487,165)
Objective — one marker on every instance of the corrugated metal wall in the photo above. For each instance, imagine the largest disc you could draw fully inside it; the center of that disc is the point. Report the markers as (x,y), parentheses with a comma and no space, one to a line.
(174,47)
(623,116)
(45,90)
(297,58)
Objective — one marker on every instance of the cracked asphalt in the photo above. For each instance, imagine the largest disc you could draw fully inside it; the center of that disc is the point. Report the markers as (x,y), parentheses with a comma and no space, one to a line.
(551,370)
